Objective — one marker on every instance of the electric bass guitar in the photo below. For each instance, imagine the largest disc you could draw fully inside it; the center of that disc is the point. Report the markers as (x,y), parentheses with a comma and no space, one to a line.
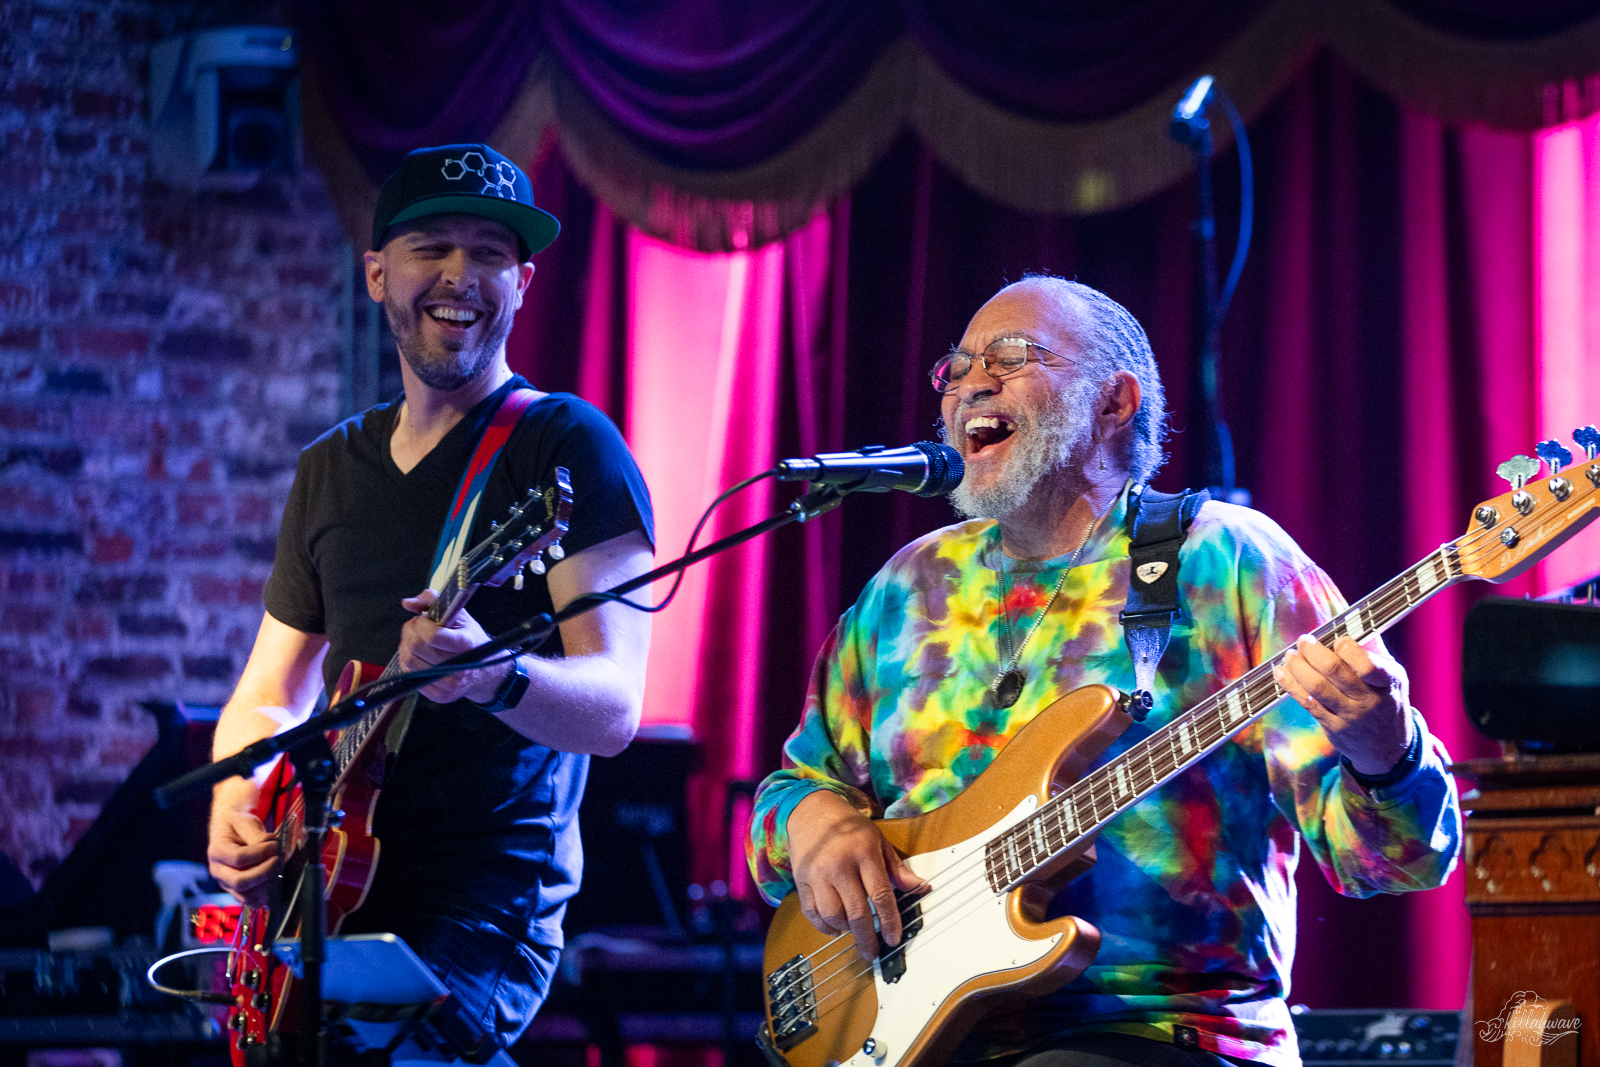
(976,938)
(260,984)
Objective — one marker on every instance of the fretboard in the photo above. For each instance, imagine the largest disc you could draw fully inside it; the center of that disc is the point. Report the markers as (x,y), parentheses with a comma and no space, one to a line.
(354,735)
(1078,812)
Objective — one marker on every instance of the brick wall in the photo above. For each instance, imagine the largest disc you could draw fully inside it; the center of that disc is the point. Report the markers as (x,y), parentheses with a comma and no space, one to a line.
(163,355)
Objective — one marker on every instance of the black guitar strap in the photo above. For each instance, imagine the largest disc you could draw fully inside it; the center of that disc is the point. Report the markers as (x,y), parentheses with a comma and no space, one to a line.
(1157,525)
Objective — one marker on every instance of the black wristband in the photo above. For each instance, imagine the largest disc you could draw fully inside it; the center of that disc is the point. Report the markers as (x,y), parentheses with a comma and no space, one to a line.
(1396,774)
(509,695)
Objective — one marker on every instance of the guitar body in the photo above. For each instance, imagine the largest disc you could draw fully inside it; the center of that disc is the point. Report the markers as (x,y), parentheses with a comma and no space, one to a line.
(265,1007)
(979,950)
(261,984)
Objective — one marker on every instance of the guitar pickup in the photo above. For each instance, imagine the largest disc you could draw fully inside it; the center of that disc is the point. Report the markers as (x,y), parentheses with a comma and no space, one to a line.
(892,960)
(792,1000)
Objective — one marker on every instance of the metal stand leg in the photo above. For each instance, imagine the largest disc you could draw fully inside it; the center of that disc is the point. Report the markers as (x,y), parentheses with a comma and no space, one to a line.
(313,762)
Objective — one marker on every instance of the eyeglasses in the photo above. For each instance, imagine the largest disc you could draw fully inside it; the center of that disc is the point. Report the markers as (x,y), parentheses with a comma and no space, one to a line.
(1003,358)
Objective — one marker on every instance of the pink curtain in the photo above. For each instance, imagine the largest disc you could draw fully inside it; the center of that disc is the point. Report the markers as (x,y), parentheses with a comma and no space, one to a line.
(1501,335)
(1468,404)
(1566,184)
(715,367)
(703,346)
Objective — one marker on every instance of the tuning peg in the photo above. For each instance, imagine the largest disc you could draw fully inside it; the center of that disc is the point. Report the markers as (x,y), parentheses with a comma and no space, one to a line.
(516,582)
(1555,454)
(536,565)
(1588,439)
(556,552)
(1517,470)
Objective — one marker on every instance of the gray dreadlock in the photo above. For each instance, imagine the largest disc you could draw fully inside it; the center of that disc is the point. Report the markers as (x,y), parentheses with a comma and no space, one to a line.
(1113,340)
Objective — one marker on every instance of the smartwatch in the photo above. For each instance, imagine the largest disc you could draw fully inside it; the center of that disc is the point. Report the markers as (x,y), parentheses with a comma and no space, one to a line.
(509,695)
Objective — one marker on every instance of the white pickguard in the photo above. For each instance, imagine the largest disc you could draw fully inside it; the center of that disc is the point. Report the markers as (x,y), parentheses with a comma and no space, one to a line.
(965,934)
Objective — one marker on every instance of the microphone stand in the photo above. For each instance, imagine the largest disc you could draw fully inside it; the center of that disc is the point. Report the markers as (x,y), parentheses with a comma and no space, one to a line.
(307,744)
(1216,461)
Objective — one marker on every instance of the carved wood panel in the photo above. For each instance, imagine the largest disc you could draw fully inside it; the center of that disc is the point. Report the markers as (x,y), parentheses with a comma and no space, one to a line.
(1525,862)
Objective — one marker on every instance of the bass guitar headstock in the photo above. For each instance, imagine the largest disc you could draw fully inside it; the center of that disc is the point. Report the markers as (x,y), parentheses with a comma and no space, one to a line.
(1515,530)
(531,531)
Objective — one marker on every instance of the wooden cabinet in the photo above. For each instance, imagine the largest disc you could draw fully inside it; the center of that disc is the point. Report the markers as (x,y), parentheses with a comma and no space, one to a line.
(1533,891)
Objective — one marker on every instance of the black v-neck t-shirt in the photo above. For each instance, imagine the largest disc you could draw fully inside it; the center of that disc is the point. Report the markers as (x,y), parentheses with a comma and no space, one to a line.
(474,819)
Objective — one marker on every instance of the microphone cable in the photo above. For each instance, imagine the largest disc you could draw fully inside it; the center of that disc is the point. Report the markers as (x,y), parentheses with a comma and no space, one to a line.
(1247,201)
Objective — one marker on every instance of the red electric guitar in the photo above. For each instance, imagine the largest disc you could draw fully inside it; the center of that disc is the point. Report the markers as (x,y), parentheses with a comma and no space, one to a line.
(979,937)
(261,984)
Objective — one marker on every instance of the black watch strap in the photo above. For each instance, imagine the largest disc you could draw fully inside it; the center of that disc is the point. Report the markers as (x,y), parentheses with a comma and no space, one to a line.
(510,692)
(1396,774)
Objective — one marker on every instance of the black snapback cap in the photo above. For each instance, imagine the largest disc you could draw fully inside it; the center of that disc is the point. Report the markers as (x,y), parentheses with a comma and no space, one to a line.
(464,179)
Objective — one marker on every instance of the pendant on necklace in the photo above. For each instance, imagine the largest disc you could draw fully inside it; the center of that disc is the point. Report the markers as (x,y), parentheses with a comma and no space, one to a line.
(1010,688)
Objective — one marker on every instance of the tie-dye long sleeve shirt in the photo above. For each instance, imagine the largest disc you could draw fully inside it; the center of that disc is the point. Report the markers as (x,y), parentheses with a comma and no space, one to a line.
(1193,890)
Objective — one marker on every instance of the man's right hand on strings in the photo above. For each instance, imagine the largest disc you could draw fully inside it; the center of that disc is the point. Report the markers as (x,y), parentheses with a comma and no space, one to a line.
(242,854)
(277,689)
(844,870)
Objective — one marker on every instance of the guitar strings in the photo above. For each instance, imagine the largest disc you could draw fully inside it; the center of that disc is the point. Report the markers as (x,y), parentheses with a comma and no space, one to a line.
(353,737)
(1096,787)
(841,979)
(1253,685)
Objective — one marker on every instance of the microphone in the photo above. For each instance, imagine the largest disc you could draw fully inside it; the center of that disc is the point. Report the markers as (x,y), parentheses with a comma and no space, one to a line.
(925,468)
(1189,117)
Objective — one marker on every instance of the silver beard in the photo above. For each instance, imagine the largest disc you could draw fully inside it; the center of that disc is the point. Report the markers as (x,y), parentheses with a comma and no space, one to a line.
(452,368)
(1045,443)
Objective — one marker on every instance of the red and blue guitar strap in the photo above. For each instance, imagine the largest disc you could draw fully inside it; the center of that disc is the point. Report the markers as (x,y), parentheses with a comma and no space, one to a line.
(458,527)
(453,539)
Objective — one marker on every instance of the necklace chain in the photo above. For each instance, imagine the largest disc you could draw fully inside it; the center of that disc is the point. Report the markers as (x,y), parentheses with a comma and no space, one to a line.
(1005,615)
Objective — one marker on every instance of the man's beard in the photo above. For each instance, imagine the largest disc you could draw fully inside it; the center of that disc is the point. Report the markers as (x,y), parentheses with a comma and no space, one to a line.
(1048,443)
(444,368)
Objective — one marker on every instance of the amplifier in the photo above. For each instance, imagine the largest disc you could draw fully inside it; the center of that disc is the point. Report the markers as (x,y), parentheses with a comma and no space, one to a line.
(92,998)
(1337,1037)
(1530,673)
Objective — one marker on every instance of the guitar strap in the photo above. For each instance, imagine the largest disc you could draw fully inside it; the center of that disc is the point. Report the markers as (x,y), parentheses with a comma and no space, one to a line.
(458,524)
(1157,525)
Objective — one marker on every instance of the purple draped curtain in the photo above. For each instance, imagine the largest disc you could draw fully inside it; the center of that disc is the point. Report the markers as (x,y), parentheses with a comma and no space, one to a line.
(714,84)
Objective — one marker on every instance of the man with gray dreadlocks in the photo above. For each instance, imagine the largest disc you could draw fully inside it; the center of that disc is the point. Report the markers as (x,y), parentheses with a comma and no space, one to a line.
(1054,401)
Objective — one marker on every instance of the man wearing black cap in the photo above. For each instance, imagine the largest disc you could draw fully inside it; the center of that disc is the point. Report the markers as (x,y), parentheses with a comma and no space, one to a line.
(477,815)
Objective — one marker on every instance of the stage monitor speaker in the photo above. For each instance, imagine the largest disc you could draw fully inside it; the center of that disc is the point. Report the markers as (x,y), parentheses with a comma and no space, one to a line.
(1530,673)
